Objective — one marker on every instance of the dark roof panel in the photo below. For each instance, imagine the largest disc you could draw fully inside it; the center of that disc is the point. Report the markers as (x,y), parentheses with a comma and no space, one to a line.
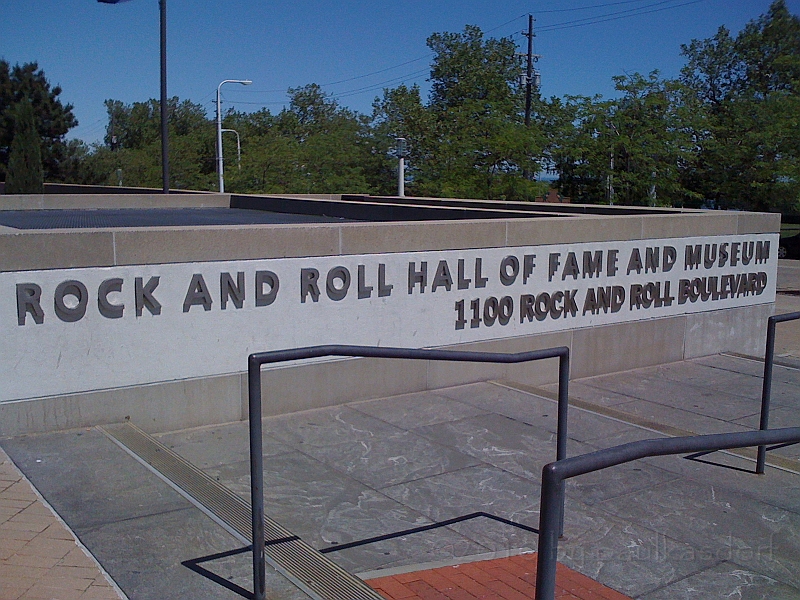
(150,217)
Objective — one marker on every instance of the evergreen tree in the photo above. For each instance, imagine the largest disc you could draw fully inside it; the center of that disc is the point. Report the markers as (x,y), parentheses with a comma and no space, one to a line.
(24,174)
(52,118)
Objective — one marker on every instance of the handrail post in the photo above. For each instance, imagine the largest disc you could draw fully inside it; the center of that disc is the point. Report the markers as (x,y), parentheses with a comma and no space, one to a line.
(554,474)
(256,478)
(550,511)
(256,360)
(766,391)
(561,431)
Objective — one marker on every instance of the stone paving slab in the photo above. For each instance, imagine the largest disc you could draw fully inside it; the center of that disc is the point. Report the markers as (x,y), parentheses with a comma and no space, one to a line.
(136,526)
(39,556)
(663,527)
(343,474)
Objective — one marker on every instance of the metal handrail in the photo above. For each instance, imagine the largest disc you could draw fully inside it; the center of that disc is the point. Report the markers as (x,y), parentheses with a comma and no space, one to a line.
(766,389)
(554,474)
(256,360)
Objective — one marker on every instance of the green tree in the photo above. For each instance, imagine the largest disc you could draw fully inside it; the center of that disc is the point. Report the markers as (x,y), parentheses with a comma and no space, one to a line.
(133,144)
(745,98)
(401,113)
(629,150)
(24,175)
(483,147)
(469,140)
(52,118)
(313,146)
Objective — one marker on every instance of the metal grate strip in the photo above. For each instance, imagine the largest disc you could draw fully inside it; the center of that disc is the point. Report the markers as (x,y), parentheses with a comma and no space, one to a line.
(316,574)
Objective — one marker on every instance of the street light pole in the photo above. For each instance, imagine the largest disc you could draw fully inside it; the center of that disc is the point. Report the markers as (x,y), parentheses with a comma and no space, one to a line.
(162,5)
(219,130)
(238,146)
(164,129)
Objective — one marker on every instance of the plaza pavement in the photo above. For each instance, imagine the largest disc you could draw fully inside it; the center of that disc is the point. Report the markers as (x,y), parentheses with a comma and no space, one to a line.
(657,529)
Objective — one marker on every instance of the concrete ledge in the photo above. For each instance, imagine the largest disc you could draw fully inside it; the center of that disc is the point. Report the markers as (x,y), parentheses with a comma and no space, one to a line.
(160,245)
(33,250)
(154,407)
(90,201)
(22,251)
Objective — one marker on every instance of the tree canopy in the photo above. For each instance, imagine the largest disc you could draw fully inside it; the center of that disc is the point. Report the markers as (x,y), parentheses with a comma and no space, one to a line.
(723,134)
(24,175)
(52,119)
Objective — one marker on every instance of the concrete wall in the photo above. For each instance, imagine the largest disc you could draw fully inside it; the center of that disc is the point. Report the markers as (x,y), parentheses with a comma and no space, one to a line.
(128,200)
(162,406)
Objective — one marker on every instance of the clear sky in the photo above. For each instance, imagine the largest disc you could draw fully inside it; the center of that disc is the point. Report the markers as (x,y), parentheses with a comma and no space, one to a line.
(352,48)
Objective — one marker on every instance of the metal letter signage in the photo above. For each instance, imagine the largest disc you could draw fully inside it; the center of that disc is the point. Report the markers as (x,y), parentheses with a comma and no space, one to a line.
(74,330)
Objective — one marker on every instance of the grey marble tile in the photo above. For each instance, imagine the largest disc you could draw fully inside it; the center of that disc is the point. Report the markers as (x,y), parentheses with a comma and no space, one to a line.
(411,411)
(430,546)
(682,419)
(474,489)
(735,383)
(725,580)
(320,504)
(500,399)
(217,445)
(365,448)
(506,443)
(238,569)
(679,395)
(104,483)
(625,556)
(580,390)
(720,521)
(780,416)
(537,411)
(143,555)
(613,482)
(731,363)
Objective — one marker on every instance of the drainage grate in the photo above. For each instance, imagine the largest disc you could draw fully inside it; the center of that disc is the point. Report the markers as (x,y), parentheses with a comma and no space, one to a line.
(315,574)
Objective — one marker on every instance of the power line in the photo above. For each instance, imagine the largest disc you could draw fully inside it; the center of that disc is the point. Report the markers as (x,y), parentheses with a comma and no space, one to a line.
(625,14)
(589,7)
(602,18)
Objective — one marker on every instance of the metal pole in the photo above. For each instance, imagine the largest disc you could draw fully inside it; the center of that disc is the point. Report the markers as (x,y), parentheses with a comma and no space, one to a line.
(254,396)
(561,431)
(529,73)
(549,515)
(766,391)
(554,474)
(401,177)
(219,142)
(256,478)
(238,146)
(219,129)
(164,129)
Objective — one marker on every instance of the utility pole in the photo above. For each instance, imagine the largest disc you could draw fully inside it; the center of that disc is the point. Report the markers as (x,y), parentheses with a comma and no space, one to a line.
(531,77)
(529,72)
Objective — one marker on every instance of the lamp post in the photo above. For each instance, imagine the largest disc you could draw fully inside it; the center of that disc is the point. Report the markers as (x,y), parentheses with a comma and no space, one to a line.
(162,5)
(219,130)
(238,146)
(402,152)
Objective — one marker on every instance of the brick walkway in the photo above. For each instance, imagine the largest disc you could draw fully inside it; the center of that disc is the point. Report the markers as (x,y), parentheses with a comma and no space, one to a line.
(39,557)
(511,578)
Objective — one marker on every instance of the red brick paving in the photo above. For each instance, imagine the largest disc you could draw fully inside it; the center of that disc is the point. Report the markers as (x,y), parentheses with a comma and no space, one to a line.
(511,578)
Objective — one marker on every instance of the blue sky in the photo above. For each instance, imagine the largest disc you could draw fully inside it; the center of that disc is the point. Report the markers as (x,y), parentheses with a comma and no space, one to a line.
(99,51)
